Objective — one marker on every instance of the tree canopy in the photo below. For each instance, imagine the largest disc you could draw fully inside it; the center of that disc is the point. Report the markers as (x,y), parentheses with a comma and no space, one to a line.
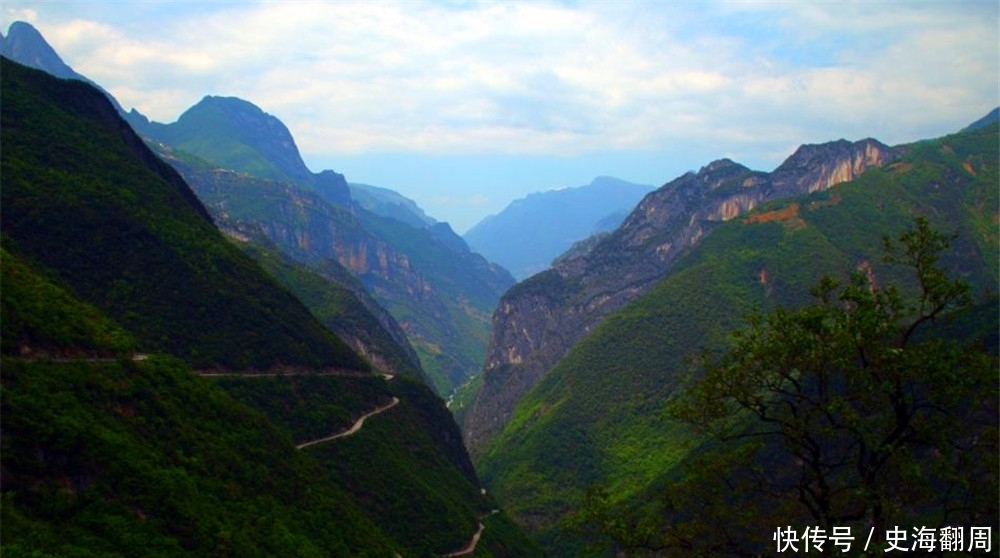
(852,414)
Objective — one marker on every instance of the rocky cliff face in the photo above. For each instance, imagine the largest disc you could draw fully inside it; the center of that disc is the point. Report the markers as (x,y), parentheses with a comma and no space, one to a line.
(540,319)
(305,228)
(438,291)
(247,169)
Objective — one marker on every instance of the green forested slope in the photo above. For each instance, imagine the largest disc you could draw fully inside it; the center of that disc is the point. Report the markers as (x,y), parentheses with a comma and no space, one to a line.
(597,418)
(145,459)
(122,458)
(85,197)
(114,446)
(211,129)
(40,317)
(338,307)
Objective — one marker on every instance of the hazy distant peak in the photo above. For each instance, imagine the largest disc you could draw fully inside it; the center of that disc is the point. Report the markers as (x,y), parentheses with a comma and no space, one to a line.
(990,118)
(612,182)
(531,231)
(24,44)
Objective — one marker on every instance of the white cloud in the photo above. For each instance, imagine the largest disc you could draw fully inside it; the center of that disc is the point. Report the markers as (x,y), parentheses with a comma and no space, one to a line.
(533,77)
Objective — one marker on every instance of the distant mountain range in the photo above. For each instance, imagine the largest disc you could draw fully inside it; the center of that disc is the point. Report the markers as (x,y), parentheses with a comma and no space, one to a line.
(532,231)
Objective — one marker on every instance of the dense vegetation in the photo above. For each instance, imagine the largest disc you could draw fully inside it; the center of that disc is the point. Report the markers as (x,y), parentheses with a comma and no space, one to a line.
(114,446)
(83,196)
(851,412)
(106,458)
(40,317)
(401,466)
(146,459)
(598,418)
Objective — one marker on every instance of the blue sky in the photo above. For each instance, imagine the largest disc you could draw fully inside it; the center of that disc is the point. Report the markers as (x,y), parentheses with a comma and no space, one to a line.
(465,106)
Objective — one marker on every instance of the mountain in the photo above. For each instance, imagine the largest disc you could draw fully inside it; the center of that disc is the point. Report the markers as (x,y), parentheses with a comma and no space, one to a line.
(248,163)
(530,232)
(389,203)
(367,334)
(25,45)
(435,287)
(174,295)
(234,134)
(438,291)
(597,417)
(134,423)
(539,319)
(992,117)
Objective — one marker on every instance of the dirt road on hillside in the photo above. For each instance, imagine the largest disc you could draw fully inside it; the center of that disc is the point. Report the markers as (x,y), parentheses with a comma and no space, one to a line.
(355,427)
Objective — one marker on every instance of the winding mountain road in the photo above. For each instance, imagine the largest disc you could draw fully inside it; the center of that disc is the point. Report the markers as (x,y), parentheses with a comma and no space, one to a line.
(469,548)
(343,373)
(354,428)
(340,373)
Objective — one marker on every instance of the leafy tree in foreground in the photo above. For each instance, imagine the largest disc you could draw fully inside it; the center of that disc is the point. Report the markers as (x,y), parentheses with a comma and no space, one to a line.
(850,413)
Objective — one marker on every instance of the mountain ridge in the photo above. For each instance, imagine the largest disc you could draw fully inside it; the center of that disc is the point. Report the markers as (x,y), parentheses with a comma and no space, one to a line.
(25,44)
(244,139)
(105,206)
(597,417)
(235,134)
(532,231)
(114,445)
(538,320)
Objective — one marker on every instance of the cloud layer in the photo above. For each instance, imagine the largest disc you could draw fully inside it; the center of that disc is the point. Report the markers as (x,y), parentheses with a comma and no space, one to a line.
(538,77)
(746,80)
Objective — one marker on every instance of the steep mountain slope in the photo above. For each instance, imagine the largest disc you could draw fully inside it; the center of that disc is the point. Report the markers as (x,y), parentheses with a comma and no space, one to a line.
(598,416)
(530,232)
(152,260)
(348,311)
(538,320)
(42,318)
(25,45)
(249,144)
(438,291)
(110,453)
